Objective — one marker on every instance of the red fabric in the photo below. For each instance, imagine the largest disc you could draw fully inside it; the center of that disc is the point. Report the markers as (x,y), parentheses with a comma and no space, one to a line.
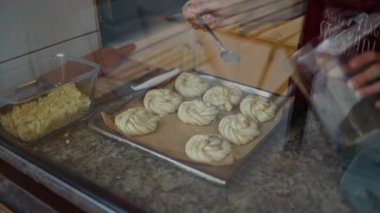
(332,11)
(357,5)
(316,8)
(313,18)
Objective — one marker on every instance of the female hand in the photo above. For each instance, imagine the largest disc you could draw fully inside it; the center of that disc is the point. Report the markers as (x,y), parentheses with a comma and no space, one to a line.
(367,82)
(213,12)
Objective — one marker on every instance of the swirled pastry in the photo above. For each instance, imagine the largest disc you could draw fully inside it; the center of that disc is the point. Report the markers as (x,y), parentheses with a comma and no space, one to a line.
(197,112)
(238,129)
(136,121)
(190,85)
(223,97)
(162,101)
(209,149)
(258,107)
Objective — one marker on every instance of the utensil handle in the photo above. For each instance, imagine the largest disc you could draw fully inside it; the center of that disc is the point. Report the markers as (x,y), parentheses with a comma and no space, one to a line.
(279,101)
(209,30)
(156,80)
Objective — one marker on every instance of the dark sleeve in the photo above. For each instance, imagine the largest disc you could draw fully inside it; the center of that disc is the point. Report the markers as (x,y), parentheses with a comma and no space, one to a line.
(310,30)
(313,19)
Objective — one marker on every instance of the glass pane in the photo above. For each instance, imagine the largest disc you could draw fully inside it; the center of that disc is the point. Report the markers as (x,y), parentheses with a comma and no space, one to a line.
(219,105)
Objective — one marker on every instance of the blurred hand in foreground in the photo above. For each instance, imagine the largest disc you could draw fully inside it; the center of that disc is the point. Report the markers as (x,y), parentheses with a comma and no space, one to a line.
(367,80)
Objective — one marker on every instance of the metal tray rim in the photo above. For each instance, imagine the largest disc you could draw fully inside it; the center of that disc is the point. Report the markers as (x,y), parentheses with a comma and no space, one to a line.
(92,124)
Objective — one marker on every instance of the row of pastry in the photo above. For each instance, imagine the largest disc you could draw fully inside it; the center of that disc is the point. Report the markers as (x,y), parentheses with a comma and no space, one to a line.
(160,102)
(214,149)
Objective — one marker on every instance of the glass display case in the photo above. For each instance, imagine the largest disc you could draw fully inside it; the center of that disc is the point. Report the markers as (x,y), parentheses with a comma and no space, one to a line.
(172,125)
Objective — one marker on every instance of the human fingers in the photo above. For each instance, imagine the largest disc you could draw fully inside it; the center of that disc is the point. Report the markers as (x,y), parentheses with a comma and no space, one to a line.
(223,22)
(369,90)
(192,12)
(197,24)
(211,6)
(362,60)
(211,20)
(188,10)
(377,104)
(229,13)
(215,13)
(215,21)
(366,76)
(194,8)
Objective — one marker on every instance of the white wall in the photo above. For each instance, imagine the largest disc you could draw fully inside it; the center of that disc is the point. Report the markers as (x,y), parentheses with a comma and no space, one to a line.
(31,29)
(18,70)
(27,25)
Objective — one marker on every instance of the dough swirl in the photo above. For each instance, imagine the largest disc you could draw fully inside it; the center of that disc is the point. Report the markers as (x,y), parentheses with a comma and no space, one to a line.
(162,101)
(190,85)
(209,149)
(223,97)
(136,121)
(238,129)
(196,112)
(258,107)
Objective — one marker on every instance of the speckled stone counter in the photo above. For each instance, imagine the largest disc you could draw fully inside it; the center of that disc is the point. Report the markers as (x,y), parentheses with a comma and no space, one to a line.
(275,178)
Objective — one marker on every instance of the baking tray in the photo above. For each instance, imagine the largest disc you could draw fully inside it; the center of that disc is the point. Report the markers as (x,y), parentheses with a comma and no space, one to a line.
(156,143)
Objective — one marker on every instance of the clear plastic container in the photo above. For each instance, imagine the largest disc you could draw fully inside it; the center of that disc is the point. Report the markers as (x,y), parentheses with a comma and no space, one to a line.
(44,95)
(321,67)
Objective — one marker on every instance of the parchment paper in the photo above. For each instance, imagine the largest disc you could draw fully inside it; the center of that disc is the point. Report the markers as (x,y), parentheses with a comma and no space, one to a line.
(171,135)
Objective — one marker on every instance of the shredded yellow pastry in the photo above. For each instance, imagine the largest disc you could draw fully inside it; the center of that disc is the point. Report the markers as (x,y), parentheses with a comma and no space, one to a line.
(30,121)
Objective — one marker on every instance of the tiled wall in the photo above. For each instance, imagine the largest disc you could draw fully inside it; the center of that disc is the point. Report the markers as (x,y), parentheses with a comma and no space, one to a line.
(30,29)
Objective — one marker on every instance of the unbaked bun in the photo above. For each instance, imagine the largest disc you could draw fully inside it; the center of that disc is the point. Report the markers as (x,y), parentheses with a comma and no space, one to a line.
(258,107)
(136,121)
(196,112)
(223,97)
(210,149)
(238,129)
(190,85)
(162,101)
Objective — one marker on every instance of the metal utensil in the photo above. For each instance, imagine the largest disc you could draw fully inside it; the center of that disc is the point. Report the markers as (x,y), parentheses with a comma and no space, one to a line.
(226,54)
(145,82)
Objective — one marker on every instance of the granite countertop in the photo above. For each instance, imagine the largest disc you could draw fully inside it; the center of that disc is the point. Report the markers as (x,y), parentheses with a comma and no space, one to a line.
(275,178)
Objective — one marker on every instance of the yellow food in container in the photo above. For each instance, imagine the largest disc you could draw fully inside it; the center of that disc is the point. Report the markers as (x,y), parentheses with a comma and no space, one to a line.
(45,94)
(30,121)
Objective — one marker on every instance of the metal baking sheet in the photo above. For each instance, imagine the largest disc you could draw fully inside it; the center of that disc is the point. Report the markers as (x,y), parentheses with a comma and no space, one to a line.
(217,174)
